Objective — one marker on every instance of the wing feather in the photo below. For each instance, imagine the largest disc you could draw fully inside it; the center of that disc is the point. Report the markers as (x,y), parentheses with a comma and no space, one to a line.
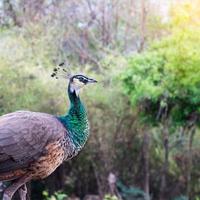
(23,137)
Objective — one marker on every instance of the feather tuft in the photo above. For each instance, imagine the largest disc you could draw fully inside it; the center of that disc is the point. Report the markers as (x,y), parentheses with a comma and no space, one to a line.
(61,71)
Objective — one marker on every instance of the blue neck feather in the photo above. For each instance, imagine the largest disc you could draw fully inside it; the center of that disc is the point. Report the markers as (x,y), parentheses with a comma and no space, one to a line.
(75,121)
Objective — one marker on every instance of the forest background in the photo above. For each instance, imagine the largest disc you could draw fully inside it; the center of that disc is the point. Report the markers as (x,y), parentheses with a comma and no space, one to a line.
(144,112)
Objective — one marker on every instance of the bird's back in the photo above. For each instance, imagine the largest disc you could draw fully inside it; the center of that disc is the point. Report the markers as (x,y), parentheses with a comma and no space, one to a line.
(26,138)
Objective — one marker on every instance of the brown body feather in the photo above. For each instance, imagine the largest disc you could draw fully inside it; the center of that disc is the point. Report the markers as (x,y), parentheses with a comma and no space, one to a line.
(31,142)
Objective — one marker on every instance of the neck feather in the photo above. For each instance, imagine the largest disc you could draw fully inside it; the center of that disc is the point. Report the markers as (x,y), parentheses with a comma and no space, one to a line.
(76,121)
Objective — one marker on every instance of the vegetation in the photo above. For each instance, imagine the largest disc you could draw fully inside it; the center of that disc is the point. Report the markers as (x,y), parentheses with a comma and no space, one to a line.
(55,196)
(144,112)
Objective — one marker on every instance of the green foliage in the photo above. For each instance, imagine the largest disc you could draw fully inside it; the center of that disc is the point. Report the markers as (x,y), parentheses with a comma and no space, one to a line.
(165,78)
(163,84)
(110,197)
(25,83)
(55,196)
(130,193)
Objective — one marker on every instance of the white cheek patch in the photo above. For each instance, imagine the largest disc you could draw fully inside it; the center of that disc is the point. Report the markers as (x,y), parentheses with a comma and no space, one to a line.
(75,86)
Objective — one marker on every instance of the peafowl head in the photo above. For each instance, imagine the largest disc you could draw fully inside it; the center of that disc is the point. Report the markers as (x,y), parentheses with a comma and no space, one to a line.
(76,82)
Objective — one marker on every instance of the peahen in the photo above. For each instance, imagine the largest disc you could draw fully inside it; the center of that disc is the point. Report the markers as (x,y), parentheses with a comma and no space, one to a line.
(34,144)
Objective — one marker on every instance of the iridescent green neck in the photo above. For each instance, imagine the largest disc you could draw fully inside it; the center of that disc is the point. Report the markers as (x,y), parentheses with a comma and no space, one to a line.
(75,121)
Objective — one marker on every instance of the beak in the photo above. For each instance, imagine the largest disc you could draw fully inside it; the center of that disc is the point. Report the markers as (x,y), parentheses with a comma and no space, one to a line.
(90,80)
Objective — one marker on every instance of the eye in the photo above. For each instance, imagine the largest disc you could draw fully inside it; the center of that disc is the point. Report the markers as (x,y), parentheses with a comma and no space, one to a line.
(81,79)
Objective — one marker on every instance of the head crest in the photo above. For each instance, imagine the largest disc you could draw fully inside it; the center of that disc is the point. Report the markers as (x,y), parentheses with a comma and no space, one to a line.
(61,71)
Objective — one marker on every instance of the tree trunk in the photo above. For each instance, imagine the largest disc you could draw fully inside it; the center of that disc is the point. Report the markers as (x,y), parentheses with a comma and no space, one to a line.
(165,166)
(143,26)
(189,167)
(146,145)
(10,12)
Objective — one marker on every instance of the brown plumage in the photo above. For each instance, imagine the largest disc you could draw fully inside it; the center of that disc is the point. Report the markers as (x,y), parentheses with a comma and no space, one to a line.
(30,145)
(23,138)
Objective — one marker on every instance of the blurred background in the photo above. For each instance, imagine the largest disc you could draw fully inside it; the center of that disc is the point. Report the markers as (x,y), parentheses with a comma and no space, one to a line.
(144,112)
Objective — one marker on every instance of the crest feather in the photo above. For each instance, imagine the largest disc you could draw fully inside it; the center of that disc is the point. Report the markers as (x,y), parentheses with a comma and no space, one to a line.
(61,71)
